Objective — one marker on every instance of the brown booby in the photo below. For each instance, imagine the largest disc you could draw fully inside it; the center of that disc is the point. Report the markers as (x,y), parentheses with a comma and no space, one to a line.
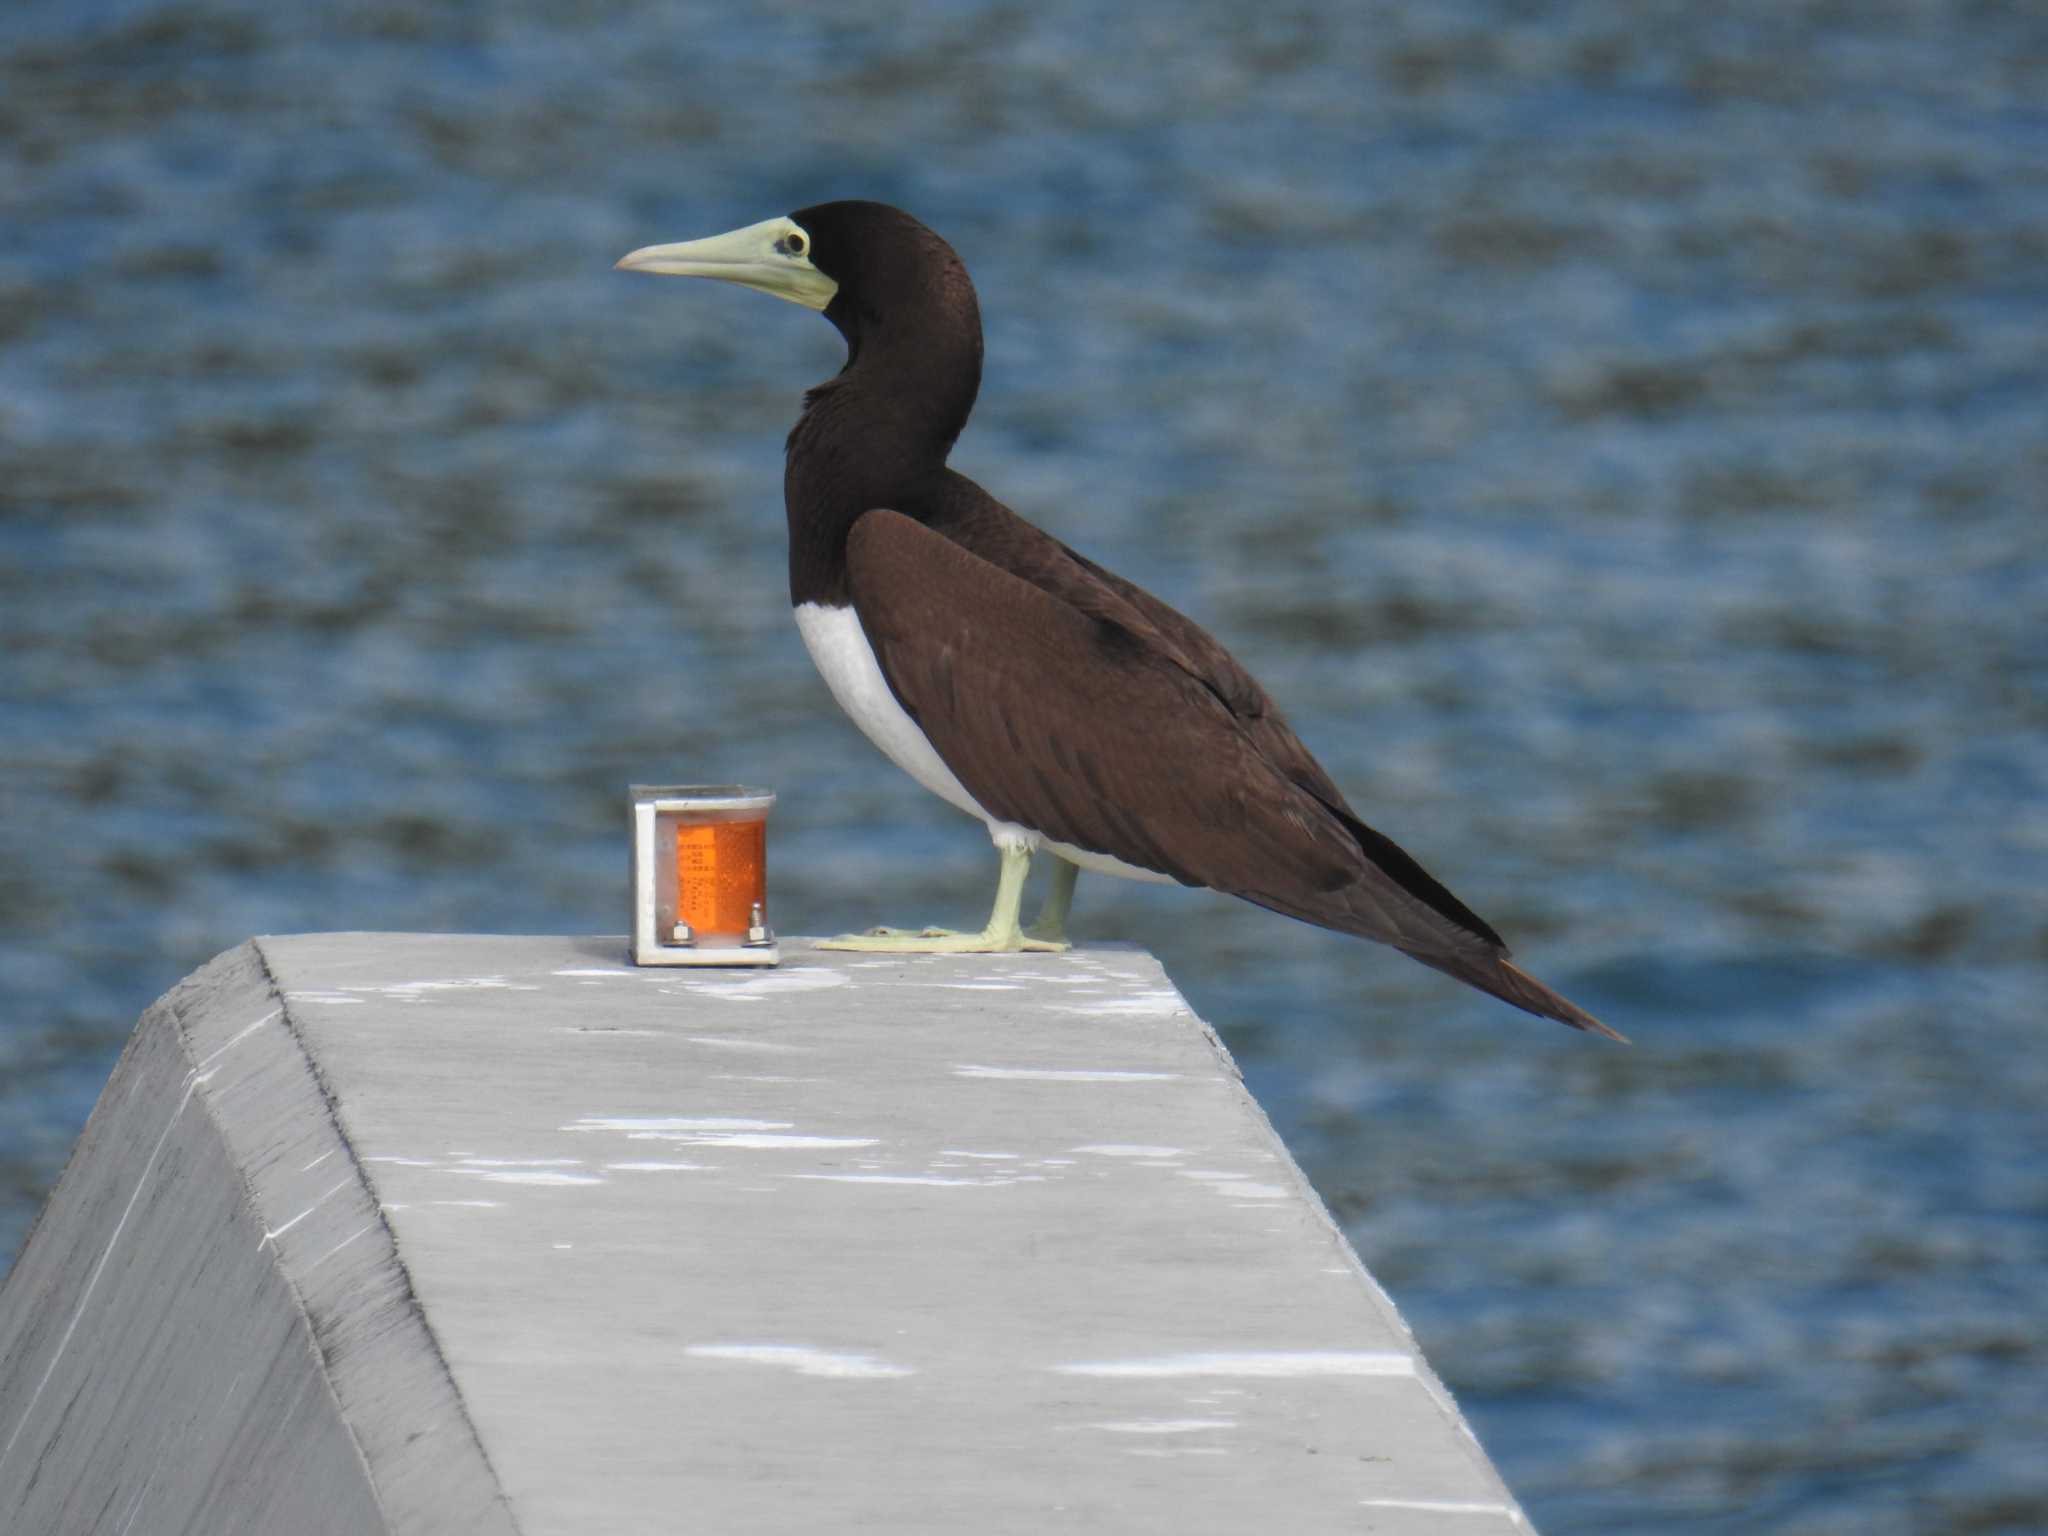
(1016,679)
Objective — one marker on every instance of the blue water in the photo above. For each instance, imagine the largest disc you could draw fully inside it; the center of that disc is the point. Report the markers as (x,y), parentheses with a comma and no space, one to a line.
(1617,433)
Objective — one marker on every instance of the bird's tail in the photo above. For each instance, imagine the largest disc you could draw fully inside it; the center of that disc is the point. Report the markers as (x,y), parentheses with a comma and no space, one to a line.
(1511,984)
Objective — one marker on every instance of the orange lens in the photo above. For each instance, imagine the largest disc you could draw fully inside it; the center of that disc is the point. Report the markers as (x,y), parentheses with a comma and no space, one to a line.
(721,874)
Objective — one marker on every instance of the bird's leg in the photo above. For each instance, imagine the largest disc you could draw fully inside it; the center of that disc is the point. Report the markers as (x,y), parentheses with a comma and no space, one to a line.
(1051,923)
(1003,935)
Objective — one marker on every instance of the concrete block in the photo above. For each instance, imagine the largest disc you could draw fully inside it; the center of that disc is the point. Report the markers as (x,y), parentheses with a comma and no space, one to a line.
(419,1233)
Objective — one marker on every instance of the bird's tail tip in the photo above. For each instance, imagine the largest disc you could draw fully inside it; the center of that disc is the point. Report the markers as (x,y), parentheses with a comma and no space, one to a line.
(1531,995)
(1494,973)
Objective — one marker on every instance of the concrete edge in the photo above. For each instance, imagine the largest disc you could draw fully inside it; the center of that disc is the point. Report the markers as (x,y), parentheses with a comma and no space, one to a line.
(209,1325)
(1312,1200)
(154,1365)
(329,1241)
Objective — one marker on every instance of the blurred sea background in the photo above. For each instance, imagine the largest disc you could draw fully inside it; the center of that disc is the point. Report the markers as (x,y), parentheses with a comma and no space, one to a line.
(1616,433)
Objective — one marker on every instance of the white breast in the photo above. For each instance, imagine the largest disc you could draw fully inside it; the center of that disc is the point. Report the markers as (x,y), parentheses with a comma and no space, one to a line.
(839,648)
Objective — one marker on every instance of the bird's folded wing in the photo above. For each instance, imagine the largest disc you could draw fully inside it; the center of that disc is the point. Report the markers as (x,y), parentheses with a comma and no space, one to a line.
(1005,539)
(1070,725)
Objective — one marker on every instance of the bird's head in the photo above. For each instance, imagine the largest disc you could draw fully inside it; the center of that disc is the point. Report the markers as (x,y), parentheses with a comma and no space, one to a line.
(868,266)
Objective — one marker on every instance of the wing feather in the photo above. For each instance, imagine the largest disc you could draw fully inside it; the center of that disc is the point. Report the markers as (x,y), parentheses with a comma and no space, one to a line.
(1073,724)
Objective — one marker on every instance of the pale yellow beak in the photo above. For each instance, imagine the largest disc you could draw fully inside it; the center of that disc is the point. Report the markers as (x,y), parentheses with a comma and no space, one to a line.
(773,256)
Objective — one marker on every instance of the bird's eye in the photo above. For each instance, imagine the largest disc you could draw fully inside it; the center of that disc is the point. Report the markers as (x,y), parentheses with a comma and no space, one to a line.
(793,243)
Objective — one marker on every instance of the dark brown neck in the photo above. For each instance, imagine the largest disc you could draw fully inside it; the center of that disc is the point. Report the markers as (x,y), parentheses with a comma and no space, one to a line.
(877,435)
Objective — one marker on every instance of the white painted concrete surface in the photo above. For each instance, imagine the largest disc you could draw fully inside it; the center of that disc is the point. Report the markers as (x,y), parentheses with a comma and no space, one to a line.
(418,1233)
